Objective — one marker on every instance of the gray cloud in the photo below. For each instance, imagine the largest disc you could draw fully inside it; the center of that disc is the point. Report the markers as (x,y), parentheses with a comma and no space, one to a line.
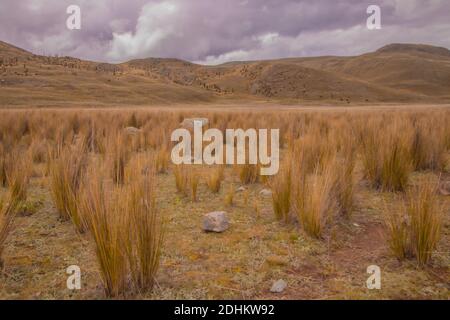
(209,31)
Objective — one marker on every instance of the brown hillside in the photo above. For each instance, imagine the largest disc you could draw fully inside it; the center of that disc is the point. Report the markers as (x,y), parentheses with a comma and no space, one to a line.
(394,73)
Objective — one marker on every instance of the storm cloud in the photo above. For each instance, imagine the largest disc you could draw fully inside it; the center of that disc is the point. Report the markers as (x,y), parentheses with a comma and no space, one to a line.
(210,31)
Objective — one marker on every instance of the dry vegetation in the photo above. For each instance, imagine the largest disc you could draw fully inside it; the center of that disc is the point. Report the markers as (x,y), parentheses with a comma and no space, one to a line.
(355,188)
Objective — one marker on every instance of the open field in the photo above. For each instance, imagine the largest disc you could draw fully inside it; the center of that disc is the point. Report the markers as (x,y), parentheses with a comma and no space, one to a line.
(346,174)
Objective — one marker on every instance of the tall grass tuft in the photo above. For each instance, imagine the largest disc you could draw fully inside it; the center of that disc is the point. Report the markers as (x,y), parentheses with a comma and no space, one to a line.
(386,157)
(17,190)
(313,199)
(428,148)
(194,180)
(214,180)
(106,220)
(229,196)
(120,155)
(343,186)
(18,177)
(145,230)
(426,220)
(66,172)
(281,193)
(181,178)
(416,230)
(249,173)
(162,160)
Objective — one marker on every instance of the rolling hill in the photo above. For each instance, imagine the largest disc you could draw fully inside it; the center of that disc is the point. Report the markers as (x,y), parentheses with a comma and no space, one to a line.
(396,73)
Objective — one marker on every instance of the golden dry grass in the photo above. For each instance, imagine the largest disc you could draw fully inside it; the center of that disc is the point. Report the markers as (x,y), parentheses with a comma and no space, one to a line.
(330,175)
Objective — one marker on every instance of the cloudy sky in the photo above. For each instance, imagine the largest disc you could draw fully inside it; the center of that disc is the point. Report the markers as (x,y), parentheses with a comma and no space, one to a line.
(216,31)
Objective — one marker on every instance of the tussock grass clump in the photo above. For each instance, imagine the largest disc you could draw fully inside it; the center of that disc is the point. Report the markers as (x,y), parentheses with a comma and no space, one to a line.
(106,220)
(194,180)
(281,193)
(120,155)
(66,173)
(229,196)
(314,203)
(7,213)
(145,230)
(249,173)
(214,179)
(181,178)
(343,185)
(18,177)
(386,157)
(3,168)
(127,231)
(428,148)
(162,160)
(416,230)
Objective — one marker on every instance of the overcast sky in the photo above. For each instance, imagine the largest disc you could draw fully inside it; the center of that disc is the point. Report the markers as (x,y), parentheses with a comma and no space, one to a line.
(212,31)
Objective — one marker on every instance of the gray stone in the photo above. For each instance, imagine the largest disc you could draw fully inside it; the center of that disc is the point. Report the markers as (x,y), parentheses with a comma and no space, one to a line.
(240,189)
(216,221)
(278,286)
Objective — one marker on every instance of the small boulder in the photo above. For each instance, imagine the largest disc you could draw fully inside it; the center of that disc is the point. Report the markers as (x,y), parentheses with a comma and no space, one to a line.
(278,286)
(188,123)
(265,192)
(240,189)
(216,221)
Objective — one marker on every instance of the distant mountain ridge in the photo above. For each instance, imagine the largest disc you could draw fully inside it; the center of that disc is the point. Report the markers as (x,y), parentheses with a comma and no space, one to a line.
(397,73)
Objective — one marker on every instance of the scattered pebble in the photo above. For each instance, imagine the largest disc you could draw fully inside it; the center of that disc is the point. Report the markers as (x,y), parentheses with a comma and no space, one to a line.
(278,286)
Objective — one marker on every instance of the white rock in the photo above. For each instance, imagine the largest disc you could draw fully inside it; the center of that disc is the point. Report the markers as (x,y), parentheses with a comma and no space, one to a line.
(240,189)
(188,123)
(132,131)
(444,189)
(278,286)
(265,192)
(216,221)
